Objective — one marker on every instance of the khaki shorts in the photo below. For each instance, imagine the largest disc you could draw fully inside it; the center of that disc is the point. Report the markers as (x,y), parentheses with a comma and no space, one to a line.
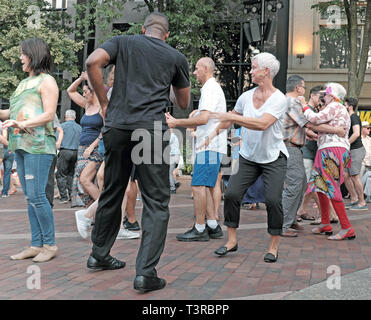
(357,156)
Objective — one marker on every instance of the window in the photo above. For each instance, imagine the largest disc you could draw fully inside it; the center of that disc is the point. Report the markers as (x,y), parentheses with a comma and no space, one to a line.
(333,37)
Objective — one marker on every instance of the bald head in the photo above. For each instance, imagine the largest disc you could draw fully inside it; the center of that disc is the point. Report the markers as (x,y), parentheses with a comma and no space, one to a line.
(208,63)
(204,69)
(156,24)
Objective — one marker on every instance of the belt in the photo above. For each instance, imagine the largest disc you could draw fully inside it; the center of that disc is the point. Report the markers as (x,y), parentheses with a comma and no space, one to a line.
(290,144)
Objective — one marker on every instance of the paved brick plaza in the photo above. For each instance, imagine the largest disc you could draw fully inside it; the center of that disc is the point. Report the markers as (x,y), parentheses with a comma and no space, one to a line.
(192,270)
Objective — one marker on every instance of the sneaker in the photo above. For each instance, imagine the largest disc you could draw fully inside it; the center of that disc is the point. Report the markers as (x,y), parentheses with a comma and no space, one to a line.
(173,191)
(127,234)
(131,226)
(63,200)
(215,233)
(193,235)
(4,196)
(359,207)
(351,204)
(82,223)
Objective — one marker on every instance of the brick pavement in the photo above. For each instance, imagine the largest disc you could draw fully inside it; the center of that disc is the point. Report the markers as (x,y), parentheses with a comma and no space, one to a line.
(192,270)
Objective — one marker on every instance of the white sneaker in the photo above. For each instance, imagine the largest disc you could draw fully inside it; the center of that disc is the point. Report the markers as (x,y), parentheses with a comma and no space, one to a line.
(82,223)
(127,234)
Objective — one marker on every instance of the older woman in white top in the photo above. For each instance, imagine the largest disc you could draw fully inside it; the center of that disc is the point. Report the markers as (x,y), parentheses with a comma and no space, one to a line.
(260,112)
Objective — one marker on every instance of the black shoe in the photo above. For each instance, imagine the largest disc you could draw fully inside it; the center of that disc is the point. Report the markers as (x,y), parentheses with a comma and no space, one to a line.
(215,233)
(108,263)
(145,284)
(177,185)
(270,258)
(193,235)
(131,226)
(222,251)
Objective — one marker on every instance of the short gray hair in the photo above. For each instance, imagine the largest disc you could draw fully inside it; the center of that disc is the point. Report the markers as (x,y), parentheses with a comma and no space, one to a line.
(268,60)
(71,114)
(293,81)
(208,63)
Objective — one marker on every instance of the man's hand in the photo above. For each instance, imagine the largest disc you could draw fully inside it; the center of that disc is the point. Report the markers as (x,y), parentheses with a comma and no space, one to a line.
(171,121)
(341,132)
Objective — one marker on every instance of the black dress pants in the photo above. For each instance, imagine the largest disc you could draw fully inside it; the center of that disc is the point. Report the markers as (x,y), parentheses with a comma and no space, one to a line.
(153,180)
(274,174)
(65,171)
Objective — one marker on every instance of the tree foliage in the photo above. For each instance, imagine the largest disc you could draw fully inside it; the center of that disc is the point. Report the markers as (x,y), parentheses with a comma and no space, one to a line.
(28,19)
(356,51)
(193,25)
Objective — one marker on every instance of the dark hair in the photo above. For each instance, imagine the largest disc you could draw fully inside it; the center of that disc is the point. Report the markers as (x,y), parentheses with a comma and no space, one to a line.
(316,90)
(38,52)
(292,82)
(352,102)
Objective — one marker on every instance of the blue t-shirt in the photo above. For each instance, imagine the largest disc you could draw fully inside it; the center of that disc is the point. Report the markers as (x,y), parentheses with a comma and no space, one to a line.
(91,126)
(71,135)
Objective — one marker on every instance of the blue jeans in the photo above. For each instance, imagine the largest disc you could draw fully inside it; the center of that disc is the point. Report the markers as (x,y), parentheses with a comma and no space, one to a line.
(33,170)
(8,164)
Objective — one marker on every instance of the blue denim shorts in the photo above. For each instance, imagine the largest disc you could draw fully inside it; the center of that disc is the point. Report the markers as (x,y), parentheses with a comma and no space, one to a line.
(206,168)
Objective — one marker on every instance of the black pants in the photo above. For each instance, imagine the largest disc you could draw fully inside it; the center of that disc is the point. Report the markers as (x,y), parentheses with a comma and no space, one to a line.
(248,172)
(153,180)
(65,170)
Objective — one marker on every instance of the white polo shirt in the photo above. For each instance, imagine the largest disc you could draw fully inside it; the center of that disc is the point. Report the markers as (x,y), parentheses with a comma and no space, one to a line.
(262,146)
(213,100)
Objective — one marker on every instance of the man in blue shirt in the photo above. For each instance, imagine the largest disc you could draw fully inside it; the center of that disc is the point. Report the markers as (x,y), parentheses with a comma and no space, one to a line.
(67,155)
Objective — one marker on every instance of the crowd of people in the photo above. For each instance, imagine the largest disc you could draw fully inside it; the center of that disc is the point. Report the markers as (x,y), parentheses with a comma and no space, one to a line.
(290,152)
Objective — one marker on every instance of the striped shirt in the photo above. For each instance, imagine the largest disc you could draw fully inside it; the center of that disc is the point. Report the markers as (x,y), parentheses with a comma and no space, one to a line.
(294,123)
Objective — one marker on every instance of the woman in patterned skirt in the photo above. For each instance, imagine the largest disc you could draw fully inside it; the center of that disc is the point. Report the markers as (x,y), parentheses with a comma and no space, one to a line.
(84,191)
(331,158)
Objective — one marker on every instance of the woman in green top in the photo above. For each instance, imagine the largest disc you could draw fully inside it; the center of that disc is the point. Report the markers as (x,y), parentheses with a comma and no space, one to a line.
(31,137)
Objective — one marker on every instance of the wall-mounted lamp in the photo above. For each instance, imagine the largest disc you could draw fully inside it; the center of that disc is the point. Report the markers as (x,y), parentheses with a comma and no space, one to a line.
(300,56)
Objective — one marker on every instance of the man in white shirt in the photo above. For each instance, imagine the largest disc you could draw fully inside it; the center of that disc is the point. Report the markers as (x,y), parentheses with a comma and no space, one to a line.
(208,158)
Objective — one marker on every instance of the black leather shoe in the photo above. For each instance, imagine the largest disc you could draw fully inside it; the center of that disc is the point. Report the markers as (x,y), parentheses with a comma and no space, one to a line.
(109,263)
(193,235)
(215,233)
(222,251)
(145,284)
(270,258)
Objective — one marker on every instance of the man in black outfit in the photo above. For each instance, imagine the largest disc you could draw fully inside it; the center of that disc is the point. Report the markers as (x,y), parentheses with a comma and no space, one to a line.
(146,68)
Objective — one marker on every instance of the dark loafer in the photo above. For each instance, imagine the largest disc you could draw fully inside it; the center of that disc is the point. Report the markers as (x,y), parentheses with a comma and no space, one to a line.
(222,251)
(108,263)
(270,258)
(145,284)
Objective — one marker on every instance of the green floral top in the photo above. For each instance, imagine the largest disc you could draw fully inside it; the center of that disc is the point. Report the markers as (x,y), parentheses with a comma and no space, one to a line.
(26,103)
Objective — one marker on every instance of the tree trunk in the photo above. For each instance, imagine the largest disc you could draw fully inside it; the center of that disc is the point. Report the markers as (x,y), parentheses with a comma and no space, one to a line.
(357,68)
(351,12)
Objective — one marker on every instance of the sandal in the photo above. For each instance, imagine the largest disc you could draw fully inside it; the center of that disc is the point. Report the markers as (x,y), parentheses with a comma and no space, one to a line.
(306,216)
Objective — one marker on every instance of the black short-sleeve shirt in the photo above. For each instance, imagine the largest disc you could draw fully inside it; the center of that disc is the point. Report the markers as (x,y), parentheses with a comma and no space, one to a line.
(145,69)
(354,119)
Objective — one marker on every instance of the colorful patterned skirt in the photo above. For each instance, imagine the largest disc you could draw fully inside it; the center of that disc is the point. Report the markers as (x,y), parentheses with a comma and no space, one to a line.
(78,197)
(327,172)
